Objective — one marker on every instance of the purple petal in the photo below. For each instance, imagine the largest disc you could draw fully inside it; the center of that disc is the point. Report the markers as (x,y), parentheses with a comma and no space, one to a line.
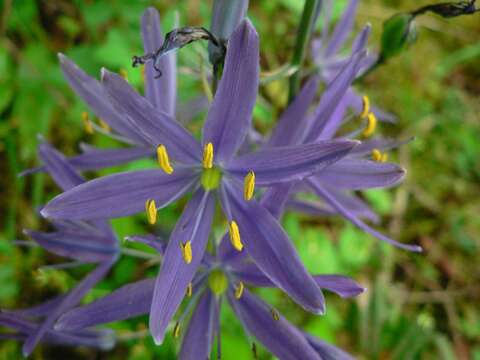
(273,252)
(366,147)
(327,351)
(283,164)
(361,39)
(230,114)
(150,240)
(340,285)
(156,126)
(360,174)
(317,187)
(279,336)
(275,198)
(119,194)
(199,336)
(175,274)
(92,92)
(58,167)
(162,91)
(124,303)
(39,310)
(249,272)
(96,159)
(332,97)
(288,129)
(83,247)
(342,29)
(70,300)
(103,339)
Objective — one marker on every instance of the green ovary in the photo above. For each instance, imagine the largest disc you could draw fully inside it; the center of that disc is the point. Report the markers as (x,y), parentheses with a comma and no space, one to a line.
(218,282)
(211,178)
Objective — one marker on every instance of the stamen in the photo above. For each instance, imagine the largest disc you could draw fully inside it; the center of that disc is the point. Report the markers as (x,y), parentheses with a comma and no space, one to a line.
(275,315)
(208,156)
(104,125)
(186,251)
(249,185)
(371,125)
(151,210)
(189,289)
(239,290)
(87,123)
(163,159)
(176,330)
(365,107)
(235,236)
(378,156)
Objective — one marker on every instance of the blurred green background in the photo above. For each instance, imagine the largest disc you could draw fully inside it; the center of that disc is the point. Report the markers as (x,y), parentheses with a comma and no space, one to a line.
(416,307)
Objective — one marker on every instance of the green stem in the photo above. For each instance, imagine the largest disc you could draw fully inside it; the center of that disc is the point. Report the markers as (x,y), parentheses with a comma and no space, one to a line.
(303,35)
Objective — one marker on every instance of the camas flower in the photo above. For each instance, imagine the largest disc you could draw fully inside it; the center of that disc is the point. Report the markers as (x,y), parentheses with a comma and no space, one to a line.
(222,277)
(363,168)
(326,53)
(92,242)
(209,170)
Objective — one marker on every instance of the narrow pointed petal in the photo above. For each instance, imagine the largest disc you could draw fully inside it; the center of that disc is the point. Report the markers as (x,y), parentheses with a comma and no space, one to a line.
(382,144)
(72,299)
(342,29)
(175,274)
(317,188)
(361,174)
(327,351)
(39,310)
(96,159)
(103,339)
(279,336)
(162,91)
(58,167)
(332,96)
(156,126)
(249,272)
(340,285)
(287,131)
(361,39)
(198,339)
(229,117)
(92,92)
(84,247)
(273,252)
(284,164)
(119,194)
(124,303)
(348,201)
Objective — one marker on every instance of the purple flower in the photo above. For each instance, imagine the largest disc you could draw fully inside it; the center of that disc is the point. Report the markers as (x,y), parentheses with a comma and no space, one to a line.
(364,166)
(85,242)
(326,52)
(219,278)
(210,170)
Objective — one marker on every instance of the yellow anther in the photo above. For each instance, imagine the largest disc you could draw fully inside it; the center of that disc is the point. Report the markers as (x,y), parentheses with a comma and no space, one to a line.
(378,156)
(176,330)
(124,74)
(104,125)
(235,236)
(163,160)
(208,156)
(186,251)
(365,107)
(189,289)
(87,123)
(371,125)
(151,211)
(239,290)
(275,315)
(249,185)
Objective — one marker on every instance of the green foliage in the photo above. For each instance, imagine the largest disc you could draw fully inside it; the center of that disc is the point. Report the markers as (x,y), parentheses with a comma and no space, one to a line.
(398,33)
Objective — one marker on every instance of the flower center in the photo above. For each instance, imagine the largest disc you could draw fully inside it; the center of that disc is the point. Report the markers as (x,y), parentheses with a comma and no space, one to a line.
(210,178)
(218,282)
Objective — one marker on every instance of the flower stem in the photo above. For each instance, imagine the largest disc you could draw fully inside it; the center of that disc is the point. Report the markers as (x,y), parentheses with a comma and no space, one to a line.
(303,35)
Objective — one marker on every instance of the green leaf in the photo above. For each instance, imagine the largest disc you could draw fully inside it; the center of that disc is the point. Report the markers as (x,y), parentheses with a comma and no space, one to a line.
(398,33)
